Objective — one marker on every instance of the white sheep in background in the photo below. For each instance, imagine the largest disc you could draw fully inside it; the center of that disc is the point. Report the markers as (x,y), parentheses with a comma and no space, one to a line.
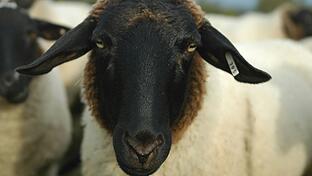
(255,26)
(307,43)
(35,134)
(214,125)
(35,122)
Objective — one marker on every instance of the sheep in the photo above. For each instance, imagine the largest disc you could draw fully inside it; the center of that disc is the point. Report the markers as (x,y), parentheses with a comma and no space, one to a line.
(150,93)
(35,121)
(240,130)
(287,21)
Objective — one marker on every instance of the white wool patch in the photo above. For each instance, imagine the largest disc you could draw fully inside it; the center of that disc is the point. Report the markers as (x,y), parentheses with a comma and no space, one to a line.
(8,4)
(231,63)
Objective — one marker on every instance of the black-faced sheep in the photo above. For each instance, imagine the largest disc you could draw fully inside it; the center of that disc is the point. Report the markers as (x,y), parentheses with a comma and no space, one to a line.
(287,21)
(34,118)
(147,89)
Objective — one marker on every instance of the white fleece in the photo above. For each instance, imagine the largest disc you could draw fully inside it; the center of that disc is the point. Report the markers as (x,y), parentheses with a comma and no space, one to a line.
(242,129)
(307,42)
(35,134)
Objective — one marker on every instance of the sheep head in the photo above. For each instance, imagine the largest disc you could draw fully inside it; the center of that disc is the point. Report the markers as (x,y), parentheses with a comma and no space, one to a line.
(145,69)
(18,46)
(297,21)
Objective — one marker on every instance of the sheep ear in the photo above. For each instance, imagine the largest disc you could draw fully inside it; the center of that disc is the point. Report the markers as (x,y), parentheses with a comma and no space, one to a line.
(49,31)
(217,50)
(72,45)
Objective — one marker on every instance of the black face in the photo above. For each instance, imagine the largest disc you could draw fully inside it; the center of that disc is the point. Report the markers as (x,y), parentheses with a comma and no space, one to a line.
(142,54)
(303,18)
(25,3)
(141,68)
(18,46)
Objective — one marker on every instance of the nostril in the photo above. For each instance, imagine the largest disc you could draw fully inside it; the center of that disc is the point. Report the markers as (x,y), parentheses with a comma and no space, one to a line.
(145,149)
(143,158)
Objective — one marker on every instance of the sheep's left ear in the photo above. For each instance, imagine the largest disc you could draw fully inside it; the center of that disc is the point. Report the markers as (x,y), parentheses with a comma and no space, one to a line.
(217,50)
(70,46)
(50,31)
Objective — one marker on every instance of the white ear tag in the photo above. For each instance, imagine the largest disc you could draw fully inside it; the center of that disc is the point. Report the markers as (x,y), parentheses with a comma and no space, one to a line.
(231,63)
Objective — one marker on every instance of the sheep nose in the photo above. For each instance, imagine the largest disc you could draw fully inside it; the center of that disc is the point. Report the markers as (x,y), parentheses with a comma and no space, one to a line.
(144,146)
(10,78)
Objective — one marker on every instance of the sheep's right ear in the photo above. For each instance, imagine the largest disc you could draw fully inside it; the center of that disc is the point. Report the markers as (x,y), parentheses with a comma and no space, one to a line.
(72,45)
(217,50)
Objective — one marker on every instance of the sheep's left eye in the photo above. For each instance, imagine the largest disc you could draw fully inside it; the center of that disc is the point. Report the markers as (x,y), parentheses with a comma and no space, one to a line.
(100,44)
(191,47)
(32,35)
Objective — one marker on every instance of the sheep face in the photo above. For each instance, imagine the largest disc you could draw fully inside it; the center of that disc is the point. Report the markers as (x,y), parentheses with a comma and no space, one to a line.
(141,63)
(137,79)
(298,23)
(18,46)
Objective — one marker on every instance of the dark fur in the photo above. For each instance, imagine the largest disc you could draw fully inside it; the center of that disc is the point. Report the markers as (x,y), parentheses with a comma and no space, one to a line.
(25,3)
(298,23)
(18,46)
(141,83)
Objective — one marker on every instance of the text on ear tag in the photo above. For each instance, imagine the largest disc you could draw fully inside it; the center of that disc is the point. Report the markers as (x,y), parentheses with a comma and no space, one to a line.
(231,63)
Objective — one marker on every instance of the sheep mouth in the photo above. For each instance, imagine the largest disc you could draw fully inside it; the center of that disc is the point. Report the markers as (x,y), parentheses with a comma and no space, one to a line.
(141,169)
(137,171)
(17,97)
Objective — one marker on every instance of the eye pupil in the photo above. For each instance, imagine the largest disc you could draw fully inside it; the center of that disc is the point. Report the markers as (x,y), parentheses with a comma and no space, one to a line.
(31,34)
(100,44)
(192,47)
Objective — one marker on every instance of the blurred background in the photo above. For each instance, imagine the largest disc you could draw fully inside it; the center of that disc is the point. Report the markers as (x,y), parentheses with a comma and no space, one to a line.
(238,6)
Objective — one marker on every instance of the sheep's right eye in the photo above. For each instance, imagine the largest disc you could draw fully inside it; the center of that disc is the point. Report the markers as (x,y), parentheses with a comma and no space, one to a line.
(191,47)
(32,35)
(100,44)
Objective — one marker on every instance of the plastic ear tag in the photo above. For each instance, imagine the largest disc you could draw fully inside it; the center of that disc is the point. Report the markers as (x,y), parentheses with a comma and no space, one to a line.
(231,63)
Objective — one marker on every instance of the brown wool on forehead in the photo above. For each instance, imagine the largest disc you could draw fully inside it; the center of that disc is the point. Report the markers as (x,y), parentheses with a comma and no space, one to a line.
(98,8)
(146,13)
(196,11)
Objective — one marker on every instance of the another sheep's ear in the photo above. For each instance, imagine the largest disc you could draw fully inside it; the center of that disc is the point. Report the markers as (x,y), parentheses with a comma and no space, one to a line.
(72,45)
(50,31)
(217,50)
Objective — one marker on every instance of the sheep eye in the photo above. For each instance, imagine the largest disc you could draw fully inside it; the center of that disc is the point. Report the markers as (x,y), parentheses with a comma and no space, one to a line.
(191,47)
(100,44)
(32,35)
